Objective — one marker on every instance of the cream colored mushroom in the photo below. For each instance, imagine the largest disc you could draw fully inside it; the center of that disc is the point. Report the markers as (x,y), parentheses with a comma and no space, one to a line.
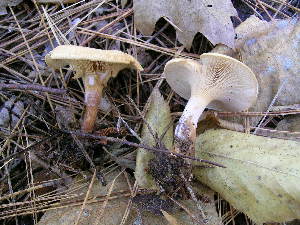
(95,66)
(215,81)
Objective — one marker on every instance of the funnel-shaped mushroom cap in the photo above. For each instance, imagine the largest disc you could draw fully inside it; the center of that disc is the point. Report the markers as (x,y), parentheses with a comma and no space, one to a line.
(224,82)
(85,60)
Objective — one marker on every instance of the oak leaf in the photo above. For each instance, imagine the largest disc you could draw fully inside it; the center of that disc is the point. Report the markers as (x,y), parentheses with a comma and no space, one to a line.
(209,17)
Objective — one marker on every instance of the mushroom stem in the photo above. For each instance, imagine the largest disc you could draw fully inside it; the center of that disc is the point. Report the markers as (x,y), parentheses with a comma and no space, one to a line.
(92,98)
(185,131)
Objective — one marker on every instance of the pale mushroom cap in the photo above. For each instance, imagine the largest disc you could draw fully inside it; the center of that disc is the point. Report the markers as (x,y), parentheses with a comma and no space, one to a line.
(225,82)
(84,59)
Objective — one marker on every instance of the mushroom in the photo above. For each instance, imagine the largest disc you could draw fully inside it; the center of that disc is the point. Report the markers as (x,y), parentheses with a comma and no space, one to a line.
(214,81)
(95,66)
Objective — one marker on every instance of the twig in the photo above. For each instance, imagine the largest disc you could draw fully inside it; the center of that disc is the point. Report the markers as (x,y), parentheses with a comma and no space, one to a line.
(31,147)
(122,16)
(167,51)
(277,113)
(48,184)
(271,105)
(33,87)
(117,140)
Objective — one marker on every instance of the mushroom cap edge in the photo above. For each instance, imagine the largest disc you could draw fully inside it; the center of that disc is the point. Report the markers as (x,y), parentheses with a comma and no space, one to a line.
(68,54)
(183,75)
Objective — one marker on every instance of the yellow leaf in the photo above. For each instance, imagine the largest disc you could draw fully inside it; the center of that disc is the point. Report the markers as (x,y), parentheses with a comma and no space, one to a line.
(159,118)
(261,177)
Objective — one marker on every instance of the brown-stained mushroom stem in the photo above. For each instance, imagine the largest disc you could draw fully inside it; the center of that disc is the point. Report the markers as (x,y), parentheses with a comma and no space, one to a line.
(95,66)
(215,81)
(92,99)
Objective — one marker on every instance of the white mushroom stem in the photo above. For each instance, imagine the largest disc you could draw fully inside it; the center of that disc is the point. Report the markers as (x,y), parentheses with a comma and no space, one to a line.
(185,132)
(93,91)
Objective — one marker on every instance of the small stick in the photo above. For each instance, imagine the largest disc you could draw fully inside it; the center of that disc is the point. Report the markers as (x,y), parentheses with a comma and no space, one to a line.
(277,113)
(234,114)
(117,140)
(110,139)
(33,87)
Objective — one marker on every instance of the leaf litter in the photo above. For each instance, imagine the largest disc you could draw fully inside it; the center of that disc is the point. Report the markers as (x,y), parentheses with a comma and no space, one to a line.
(26,37)
(188,17)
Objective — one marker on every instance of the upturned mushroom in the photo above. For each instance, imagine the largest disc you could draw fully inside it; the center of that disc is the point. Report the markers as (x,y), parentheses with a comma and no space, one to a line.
(95,66)
(214,81)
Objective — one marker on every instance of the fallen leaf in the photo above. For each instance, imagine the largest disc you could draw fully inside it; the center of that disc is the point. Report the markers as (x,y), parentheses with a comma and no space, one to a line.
(6,3)
(171,219)
(209,17)
(272,51)
(209,120)
(159,118)
(114,209)
(261,177)
(113,212)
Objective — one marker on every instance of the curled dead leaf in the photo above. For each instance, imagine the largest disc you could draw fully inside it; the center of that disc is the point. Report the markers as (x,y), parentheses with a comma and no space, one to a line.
(209,17)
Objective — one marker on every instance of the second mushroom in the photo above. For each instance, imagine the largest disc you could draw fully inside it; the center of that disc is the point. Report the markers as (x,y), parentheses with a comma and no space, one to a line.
(214,81)
(95,66)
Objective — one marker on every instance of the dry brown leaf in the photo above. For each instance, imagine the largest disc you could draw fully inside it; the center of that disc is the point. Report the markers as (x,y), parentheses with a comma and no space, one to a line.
(114,209)
(272,51)
(209,120)
(113,212)
(209,17)
(261,177)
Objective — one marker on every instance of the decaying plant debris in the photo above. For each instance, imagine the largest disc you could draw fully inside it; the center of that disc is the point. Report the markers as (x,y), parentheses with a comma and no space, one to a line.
(44,153)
